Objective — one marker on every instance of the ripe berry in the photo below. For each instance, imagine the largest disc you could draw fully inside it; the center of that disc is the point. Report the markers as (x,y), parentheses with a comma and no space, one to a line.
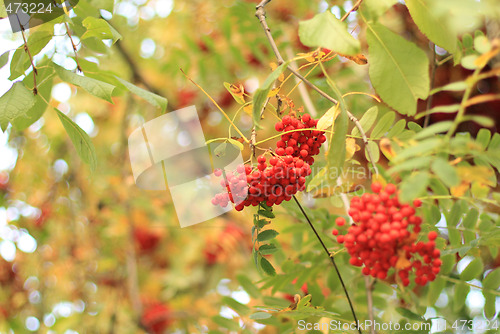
(340,221)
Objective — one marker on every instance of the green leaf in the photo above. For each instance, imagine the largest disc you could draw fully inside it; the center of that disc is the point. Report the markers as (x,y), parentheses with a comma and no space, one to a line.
(376,8)
(103,4)
(238,307)
(373,147)
(435,27)
(304,302)
(20,60)
(490,307)
(457,86)
(267,235)
(483,137)
(485,121)
(44,88)
(433,129)
(261,223)
(220,150)
(422,148)
(236,143)
(248,286)
(469,62)
(260,316)
(482,44)
(411,164)
(80,139)
(337,148)
(461,292)
(325,30)
(398,69)
(414,186)
(397,129)
(266,213)
(410,315)
(473,270)
(318,180)
(155,100)
(4,58)
(95,87)
(226,323)
(446,109)
(15,104)
(492,280)
(99,28)
(267,266)
(366,121)
(445,172)
(470,219)
(383,125)
(434,291)
(268,249)
(260,95)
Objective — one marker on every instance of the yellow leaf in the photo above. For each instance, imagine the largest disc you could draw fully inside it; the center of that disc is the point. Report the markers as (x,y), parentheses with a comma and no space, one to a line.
(386,148)
(328,119)
(459,190)
(248,109)
(274,91)
(379,178)
(351,148)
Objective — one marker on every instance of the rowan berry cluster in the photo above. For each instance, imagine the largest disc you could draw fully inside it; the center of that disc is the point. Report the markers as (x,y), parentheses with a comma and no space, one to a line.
(383,236)
(301,144)
(278,178)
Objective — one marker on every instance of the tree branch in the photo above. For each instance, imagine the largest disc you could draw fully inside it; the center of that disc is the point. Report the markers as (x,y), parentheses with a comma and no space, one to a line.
(330,255)
(27,50)
(136,73)
(78,67)
(353,9)
(304,94)
(261,15)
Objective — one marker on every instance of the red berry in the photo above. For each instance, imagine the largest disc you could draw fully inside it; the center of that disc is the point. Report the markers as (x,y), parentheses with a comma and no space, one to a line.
(376,187)
(432,235)
(390,188)
(340,221)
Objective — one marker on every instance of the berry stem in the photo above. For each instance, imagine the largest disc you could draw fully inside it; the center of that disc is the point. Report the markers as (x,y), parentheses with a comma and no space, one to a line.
(331,259)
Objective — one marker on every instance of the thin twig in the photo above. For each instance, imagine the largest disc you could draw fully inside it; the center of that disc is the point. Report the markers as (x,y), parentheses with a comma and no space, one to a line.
(78,67)
(261,15)
(304,94)
(331,259)
(433,77)
(218,107)
(353,9)
(27,50)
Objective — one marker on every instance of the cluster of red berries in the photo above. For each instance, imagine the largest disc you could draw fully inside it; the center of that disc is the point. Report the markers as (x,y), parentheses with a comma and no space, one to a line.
(383,236)
(281,177)
(300,144)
